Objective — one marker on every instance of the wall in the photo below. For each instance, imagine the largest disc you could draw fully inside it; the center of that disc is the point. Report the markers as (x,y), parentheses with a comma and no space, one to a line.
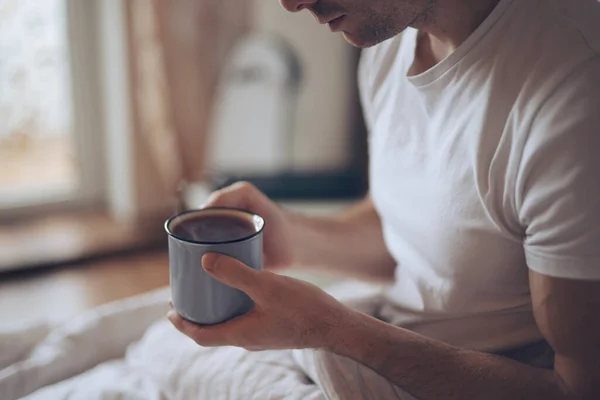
(327,100)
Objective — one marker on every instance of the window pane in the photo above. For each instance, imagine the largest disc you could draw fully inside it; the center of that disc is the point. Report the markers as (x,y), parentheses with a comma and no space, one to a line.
(37,160)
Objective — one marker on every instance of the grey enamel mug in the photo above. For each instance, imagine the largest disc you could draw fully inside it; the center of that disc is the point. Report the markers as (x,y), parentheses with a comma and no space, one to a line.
(197,296)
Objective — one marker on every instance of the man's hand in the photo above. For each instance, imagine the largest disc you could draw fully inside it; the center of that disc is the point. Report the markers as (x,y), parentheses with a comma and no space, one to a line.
(288,313)
(351,242)
(278,248)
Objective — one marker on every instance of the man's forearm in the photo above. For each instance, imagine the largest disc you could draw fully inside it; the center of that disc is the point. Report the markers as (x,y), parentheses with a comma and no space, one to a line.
(351,243)
(432,370)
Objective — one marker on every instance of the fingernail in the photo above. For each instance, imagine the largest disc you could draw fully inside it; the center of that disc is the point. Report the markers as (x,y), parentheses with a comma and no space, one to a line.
(210,198)
(171,315)
(209,261)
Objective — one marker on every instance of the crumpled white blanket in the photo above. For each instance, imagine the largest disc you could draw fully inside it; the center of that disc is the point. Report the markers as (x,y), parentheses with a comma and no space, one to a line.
(128,350)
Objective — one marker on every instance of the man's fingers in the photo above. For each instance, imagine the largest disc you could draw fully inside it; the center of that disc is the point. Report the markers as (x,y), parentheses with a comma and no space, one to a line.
(238,195)
(225,334)
(181,324)
(193,331)
(232,273)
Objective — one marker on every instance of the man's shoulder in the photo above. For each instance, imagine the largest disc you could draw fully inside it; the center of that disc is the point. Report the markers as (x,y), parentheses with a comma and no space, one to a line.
(550,33)
(548,52)
(572,106)
(565,34)
(580,16)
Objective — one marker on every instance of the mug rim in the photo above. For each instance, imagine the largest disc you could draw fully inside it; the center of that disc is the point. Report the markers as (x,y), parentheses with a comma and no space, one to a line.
(200,210)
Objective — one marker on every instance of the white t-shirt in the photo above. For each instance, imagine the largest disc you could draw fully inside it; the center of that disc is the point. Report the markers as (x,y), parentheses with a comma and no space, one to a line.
(486,165)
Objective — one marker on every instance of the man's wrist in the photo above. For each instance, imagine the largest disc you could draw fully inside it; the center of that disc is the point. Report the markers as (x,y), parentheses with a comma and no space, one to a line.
(350,337)
(364,339)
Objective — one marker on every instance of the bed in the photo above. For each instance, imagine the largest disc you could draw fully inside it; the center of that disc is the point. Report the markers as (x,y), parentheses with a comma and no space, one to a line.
(128,350)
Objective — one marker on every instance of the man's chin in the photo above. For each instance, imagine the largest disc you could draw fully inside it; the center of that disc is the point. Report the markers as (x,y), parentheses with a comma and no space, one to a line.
(363,41)
(359,42)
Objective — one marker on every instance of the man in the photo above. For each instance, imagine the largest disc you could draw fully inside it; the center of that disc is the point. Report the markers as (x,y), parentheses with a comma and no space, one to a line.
(484,204)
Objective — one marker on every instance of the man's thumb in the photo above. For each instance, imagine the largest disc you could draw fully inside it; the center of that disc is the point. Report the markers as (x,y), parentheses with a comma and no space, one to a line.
(231,272)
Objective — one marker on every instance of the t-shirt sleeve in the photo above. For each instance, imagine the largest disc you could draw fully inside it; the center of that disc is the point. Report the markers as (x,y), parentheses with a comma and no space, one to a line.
(558,184)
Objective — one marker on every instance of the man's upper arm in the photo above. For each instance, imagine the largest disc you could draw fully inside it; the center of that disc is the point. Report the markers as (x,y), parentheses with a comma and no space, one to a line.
(568,314)
(558,181)
(558,201)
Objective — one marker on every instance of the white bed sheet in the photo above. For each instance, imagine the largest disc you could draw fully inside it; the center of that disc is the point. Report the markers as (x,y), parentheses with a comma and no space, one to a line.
(128,350)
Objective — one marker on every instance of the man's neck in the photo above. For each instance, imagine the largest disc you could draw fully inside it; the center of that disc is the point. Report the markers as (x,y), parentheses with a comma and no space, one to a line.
(446,25)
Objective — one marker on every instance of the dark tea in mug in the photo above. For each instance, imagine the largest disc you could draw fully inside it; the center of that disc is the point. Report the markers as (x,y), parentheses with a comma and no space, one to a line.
(213,228)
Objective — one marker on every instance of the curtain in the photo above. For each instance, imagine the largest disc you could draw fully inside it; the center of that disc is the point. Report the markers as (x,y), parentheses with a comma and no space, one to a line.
(177,51)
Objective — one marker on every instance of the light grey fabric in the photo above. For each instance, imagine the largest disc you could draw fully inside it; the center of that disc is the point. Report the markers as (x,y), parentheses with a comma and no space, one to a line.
(341,378)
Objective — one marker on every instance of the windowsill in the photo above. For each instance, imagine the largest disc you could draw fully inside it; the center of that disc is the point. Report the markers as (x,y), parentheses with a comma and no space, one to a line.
(68,238)
(56,294)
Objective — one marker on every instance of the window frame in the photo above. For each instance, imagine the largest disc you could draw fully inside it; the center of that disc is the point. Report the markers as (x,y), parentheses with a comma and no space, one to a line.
(87,122)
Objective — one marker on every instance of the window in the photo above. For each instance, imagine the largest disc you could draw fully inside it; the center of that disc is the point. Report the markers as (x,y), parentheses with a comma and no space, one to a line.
(48,94)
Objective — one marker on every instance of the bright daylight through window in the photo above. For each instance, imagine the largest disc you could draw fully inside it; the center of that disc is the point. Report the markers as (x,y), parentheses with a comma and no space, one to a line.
(37,152)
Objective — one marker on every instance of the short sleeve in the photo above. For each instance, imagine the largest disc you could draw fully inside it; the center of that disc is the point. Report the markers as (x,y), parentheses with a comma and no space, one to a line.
(558,183)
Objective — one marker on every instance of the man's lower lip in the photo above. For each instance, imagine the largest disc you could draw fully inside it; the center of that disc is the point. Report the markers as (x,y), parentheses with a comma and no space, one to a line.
(335,24)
